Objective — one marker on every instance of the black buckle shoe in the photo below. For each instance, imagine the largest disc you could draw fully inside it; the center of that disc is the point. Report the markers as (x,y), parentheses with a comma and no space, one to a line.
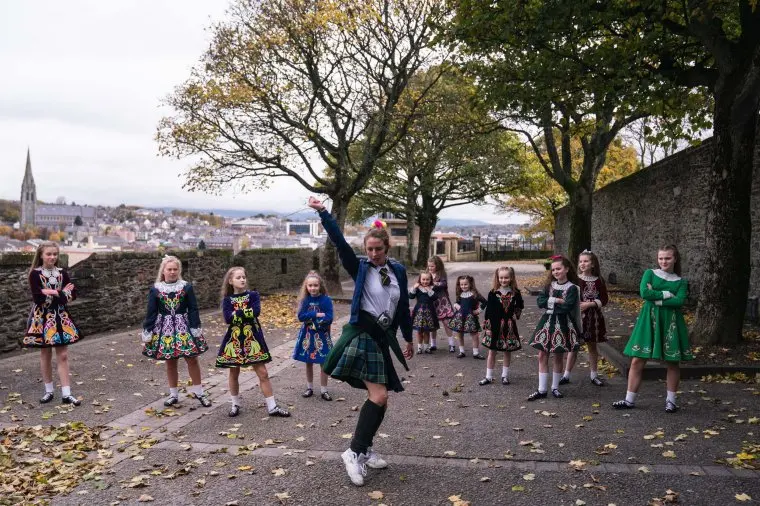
(670,407)
(537,395)
(597,381)
(623,405)
(504,380)
(485,381)
(452,349)
(557,394)
(433,348)
(427,351)
(47,397)
(326,396)
(278,411)
(234,410)
(478,357)
(564,380)
(70,399)
(204,400)
(171,401)
(308,393)
(461,355)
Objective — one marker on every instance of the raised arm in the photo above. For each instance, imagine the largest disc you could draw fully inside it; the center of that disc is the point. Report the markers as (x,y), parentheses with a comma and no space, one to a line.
(346,253)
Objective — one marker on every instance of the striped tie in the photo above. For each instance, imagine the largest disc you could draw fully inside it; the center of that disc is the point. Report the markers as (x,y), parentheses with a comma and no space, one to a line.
(385,278)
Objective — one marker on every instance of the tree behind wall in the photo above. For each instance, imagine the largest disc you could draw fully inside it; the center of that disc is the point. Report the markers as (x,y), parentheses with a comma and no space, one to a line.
(290,88)
(551,77)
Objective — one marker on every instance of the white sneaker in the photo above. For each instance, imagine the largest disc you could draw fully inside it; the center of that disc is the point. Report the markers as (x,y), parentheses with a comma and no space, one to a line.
(355,466)
(374,460)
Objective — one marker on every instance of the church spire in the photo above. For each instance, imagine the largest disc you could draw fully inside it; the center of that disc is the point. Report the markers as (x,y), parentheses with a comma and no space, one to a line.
(28,194)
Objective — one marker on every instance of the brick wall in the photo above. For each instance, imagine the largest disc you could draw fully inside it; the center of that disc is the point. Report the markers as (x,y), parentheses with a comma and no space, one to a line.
(113,287)
(664,203)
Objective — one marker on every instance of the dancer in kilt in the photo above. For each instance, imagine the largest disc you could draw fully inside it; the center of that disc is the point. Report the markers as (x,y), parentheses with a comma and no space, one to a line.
(660,332)
(558,331)
(362,355)
(504,306)
(172,329)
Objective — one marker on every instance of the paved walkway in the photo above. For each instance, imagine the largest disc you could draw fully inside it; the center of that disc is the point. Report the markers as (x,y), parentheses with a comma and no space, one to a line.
(446,438)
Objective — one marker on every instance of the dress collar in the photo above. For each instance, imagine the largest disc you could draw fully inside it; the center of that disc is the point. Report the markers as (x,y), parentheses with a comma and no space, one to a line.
(667,276)
(503,290)
(163,286)
(588,279)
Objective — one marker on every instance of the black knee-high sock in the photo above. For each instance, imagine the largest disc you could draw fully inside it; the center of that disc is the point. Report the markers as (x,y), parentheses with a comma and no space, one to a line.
(380,419)
(370,417)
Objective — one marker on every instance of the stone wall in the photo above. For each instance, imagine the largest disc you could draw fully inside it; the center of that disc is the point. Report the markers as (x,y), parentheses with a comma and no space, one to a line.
(662,204)
(113,287)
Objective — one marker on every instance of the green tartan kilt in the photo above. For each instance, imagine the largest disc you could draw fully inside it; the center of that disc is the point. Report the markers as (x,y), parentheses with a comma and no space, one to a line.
(356,358)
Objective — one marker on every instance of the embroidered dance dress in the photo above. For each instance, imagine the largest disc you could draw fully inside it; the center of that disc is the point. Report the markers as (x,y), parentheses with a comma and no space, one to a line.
(502,310)
(172,326)
(243,344)
(593,289)
(660,332)
(558,331)
(314,342)
(464,320)
(443,308)
(49,323)
(424,316)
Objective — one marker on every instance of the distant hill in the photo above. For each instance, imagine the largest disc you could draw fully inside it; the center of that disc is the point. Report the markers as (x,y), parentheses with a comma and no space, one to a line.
(451,222)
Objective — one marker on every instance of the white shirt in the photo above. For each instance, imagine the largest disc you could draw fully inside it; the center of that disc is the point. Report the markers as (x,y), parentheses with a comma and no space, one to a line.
(377,298)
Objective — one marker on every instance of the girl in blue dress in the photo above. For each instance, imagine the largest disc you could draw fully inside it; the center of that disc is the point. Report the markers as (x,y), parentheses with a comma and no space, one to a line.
(315,310)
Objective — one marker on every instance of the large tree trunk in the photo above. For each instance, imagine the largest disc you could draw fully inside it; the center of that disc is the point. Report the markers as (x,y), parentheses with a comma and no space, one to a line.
(580,221)
(426,220)
(330,263)
(411,204)
(725,276)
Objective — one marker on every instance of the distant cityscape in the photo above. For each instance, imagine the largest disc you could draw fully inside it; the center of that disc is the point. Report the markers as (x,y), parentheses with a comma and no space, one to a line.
(82,229)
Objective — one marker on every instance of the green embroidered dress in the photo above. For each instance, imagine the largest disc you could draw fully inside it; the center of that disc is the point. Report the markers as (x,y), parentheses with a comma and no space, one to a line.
(660,332)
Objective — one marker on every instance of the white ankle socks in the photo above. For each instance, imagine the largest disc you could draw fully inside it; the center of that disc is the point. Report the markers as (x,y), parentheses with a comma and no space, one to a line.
(489,373)
(543,380)
(270,403)
(49,387)
(504,372)
(235,399)
(556,376)
(65,391)
(630,397)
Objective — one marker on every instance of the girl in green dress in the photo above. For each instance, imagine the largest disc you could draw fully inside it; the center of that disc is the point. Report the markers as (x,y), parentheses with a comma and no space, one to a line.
(660,332)
(558,331)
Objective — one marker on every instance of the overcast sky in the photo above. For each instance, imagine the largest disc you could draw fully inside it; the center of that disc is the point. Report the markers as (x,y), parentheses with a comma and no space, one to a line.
(81,84)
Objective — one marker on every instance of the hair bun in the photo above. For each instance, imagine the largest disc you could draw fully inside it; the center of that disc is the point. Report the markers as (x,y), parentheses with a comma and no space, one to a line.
(379,224)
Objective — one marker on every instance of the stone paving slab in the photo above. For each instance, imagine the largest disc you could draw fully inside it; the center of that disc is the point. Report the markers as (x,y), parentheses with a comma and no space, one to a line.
(310,478)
